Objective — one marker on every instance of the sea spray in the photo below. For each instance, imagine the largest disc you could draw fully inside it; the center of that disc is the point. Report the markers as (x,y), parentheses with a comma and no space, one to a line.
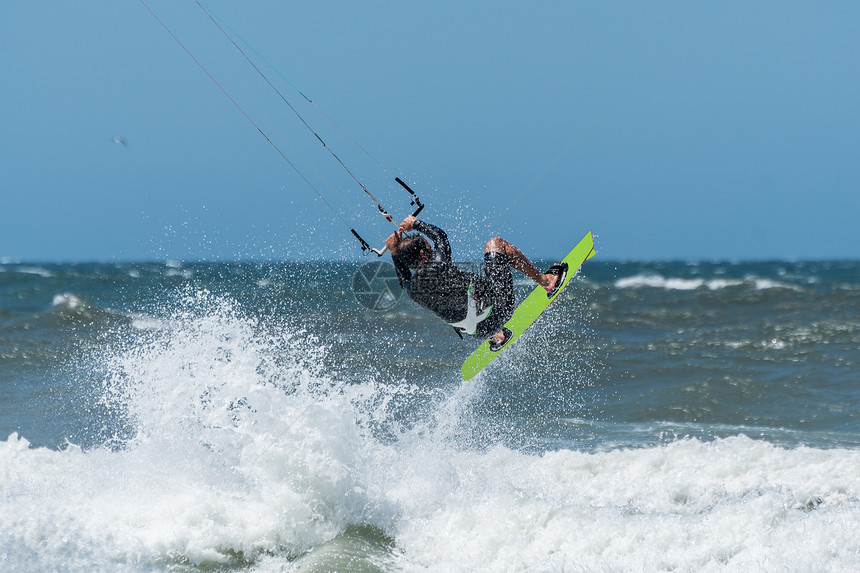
(239,448)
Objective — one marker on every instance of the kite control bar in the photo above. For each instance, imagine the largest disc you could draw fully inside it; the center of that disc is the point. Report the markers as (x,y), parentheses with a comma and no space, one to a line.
(415,201)
(380,252)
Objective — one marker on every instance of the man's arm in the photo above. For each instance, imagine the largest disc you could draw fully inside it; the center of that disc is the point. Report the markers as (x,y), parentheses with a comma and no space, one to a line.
(439,238)
(434,233)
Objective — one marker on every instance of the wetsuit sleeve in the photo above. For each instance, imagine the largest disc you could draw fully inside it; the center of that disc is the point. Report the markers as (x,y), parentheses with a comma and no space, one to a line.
(439,238)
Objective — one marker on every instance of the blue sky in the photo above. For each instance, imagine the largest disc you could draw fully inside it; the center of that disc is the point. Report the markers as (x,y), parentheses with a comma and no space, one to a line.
(673,130)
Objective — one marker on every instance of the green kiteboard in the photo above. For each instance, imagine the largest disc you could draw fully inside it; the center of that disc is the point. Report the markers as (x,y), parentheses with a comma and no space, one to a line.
(529,310)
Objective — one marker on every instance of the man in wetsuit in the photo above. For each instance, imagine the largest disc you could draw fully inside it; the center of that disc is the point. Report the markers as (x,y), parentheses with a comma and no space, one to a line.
(478,305)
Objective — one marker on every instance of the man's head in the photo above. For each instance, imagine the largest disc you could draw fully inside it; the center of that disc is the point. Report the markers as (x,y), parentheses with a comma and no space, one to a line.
(414,250)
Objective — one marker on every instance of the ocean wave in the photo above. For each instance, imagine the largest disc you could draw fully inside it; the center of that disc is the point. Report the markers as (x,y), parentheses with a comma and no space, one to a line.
(689,505)
(30,270)
(685,284)
(69,301)
(240,449)
(69,306)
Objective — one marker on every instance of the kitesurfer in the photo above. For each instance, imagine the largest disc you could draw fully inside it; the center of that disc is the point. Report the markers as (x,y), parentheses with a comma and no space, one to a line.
(478,305)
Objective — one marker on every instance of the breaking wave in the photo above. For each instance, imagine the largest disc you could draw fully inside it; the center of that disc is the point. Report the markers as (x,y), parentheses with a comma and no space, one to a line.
(233,447)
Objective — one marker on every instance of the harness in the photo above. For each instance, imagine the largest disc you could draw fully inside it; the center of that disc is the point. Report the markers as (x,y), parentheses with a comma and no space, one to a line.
(469,325)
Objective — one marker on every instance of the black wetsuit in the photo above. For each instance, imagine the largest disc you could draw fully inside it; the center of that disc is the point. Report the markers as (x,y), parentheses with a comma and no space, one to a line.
(443,289)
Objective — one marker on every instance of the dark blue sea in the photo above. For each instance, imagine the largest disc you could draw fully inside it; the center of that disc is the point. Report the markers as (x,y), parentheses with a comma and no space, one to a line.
(683,416)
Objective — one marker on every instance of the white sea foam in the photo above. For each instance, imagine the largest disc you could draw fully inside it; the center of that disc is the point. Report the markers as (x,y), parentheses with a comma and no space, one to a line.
(246,452)
(658,281)
(68,300)
(146,322)
(676,283)
(40,271)
(178,272)
(765,284)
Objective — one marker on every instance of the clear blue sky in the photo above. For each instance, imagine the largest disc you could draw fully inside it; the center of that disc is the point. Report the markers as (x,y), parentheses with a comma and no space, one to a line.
(673,130)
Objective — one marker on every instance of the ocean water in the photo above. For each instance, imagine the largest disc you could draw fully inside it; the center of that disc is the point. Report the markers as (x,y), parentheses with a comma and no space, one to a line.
(306,417)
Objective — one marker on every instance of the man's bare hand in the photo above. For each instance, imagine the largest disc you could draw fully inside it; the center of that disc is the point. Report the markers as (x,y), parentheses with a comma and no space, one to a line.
(408,223)
(393,242)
